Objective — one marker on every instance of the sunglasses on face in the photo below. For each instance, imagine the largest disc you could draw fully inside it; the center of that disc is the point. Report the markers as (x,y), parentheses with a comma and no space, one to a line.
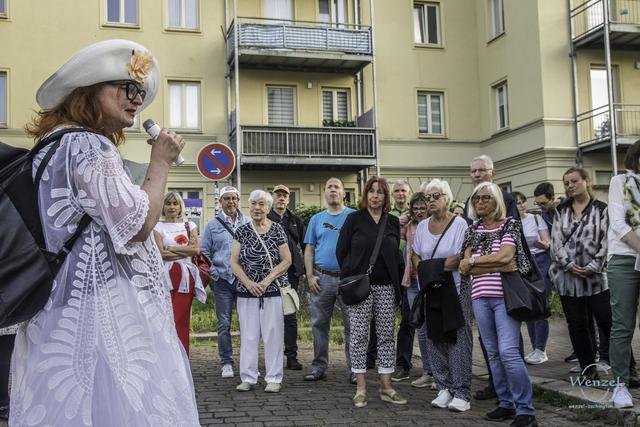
(132,90)
(432,196)
(484,199)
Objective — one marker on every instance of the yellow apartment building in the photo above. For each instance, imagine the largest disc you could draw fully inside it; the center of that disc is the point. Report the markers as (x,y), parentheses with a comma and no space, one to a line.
(307,89)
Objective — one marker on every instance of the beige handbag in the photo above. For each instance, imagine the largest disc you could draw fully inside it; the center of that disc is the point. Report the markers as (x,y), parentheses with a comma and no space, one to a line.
(290,298)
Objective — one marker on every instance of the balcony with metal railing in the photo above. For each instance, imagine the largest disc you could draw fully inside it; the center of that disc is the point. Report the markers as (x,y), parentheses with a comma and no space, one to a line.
(588,19)
(300,45)
(308,147)
(594,130)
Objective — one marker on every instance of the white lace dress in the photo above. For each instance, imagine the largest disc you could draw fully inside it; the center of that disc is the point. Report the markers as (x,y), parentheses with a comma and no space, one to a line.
(104,350)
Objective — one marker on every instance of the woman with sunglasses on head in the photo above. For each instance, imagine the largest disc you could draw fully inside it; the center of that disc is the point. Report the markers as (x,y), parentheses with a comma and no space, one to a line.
(417,213)
(440,237)
(578,269)
(104,350)
(493,245)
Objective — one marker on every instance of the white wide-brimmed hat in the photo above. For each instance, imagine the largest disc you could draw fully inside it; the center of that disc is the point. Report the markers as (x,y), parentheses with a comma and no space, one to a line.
(104,61)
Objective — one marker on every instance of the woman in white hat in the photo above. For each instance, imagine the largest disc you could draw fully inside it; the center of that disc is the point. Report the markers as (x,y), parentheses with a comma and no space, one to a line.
(104,350)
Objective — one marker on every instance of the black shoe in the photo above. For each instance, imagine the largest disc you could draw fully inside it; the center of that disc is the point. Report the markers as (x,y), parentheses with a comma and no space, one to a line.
(485,394)
(400,375)
(353,379)
(315,376)
(634,382)
(4,412)
(500,414)
(524,421)
(572,358)
(293,364)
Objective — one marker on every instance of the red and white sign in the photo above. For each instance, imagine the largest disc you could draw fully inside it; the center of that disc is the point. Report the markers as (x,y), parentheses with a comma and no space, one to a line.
(216,161)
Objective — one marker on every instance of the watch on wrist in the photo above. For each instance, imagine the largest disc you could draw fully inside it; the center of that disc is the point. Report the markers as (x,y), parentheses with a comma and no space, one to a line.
(472,261)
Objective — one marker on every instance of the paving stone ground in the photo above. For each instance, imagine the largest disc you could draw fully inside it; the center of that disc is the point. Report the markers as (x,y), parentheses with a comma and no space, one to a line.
(328,402)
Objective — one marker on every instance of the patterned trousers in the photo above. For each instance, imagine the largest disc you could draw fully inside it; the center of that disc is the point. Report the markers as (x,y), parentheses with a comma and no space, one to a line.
(451,363)
(380,304)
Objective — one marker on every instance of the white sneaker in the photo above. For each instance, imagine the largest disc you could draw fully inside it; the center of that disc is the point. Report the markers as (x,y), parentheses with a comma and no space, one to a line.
(621,397)
(537,357)
(526,358)
(443,399)
(227,371)
(424,381)
(459,405)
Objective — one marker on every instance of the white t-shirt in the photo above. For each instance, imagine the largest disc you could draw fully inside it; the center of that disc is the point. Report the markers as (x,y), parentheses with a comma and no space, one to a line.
(451,243)
(174,233)
(532,229)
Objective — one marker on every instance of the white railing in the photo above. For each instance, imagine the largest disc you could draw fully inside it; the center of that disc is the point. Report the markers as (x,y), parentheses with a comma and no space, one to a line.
(265,33)
(308,141)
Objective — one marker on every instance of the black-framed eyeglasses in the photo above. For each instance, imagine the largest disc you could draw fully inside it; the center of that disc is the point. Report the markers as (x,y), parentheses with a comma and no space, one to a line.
(131,89)
(485,198)
(432,196)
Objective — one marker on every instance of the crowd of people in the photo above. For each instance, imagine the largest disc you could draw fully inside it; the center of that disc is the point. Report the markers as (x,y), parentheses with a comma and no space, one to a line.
(111,345)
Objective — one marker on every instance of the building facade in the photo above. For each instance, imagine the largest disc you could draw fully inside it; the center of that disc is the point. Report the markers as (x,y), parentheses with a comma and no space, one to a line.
(307,89)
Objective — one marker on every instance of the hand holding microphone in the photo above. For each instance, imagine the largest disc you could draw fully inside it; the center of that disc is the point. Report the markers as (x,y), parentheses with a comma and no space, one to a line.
(154,130)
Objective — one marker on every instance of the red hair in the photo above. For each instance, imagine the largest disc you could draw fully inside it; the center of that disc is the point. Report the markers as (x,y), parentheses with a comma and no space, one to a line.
(382,184)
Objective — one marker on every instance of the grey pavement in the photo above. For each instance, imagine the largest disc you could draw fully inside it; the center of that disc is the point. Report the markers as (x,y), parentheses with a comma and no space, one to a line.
(328,402)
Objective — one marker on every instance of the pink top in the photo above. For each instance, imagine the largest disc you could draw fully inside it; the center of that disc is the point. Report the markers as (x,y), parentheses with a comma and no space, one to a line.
(490,284)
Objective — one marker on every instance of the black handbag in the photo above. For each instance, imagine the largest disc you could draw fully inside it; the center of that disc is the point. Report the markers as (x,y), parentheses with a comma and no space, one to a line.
(524,295)
(355,289)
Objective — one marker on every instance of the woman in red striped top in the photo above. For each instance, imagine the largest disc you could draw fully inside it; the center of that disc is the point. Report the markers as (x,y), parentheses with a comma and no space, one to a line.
(493,245)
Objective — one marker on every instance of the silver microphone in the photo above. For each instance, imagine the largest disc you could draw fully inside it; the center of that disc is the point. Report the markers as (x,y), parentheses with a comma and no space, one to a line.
(153,130)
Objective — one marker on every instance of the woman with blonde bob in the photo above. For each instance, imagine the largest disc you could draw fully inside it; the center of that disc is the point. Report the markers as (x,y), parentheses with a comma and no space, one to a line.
(493,245)
(178,241)
(105,345)
(260,259)
(440,237)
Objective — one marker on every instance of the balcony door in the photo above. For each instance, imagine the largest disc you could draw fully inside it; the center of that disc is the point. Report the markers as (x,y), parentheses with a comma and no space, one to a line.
(333,12)
(279,10)
(600,99)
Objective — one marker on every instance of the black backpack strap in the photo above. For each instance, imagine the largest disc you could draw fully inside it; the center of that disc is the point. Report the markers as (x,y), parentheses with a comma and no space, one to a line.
(68,244)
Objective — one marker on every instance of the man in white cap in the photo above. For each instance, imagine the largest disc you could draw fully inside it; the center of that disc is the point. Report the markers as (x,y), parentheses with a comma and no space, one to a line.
(215,243)
(104,350)
(294,228)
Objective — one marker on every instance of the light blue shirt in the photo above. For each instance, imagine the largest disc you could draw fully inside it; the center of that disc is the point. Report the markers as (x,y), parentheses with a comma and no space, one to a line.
(216,244)
(323,232)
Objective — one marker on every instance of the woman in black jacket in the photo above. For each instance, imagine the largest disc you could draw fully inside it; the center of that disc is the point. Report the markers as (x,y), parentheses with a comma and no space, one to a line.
(354,249)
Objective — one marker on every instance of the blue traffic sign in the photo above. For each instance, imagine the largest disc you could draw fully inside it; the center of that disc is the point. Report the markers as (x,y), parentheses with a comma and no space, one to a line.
(216,161)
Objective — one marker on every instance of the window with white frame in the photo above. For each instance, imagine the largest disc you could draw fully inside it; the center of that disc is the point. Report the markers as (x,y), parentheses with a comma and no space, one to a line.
(430,113)
(184,105)
(502,105)
(122,12)
(333,12)
(281,106)
(3,99)
(335,105)
(3,8)
(183,14)
(426,23)
(497,17)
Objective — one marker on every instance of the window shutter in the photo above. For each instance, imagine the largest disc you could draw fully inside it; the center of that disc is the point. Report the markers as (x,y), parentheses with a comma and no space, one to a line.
(343,105)
(281,106)
(327,105)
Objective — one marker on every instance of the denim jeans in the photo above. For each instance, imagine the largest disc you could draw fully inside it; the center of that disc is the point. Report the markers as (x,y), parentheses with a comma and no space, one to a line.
(501,335)
(412,293)
(539,329)
(321,310)
(225,294)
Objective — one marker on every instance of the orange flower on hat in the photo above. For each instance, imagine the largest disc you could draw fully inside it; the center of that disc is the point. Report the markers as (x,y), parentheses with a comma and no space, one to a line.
(139,66)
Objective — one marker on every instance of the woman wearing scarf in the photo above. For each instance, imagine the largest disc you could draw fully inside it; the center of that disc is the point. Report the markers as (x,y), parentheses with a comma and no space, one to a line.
(623,270)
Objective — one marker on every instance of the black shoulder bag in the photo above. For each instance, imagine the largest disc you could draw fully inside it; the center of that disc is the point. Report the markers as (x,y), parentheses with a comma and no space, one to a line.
(524,295)
(355,289)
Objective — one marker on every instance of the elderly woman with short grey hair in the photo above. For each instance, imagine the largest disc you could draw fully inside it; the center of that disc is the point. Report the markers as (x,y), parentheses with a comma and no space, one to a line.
(260,259)
(438,241)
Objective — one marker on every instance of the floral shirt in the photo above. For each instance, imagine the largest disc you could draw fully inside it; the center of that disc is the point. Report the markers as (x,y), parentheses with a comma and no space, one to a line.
(106,338)
(254,260)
